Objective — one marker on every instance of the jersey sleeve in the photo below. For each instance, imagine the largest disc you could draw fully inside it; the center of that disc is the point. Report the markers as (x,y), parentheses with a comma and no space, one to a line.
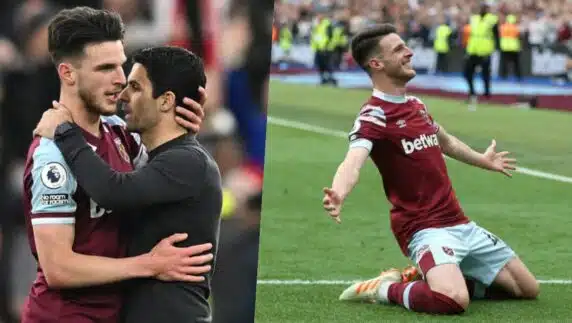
(369,126)
(53,186)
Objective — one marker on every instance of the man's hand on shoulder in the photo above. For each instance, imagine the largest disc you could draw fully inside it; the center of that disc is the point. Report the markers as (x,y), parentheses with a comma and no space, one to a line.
(51,119)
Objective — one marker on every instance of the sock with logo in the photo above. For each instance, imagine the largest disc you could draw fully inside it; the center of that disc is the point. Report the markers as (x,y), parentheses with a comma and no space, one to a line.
(417,296)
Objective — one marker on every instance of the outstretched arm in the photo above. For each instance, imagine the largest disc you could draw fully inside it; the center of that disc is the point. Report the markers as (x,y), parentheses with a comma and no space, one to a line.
(348,172)
(368,128)
(345,179)
(489,160)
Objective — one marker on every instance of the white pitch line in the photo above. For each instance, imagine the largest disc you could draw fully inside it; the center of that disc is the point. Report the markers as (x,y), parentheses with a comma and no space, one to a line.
(341,134)
(348,282)
(307,127)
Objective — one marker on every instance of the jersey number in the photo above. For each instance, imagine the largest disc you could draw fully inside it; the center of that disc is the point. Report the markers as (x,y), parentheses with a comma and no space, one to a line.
(96,211)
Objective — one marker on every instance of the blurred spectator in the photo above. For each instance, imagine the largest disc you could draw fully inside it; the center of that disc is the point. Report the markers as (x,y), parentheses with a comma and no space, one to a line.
(145,25)
(248,40)
(442,43)
(544,22)
(510,46)
(545,31)
(30,83)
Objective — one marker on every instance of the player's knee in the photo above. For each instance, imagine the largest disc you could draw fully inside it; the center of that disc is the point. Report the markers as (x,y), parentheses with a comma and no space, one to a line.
(458,295)
(448,281)
(461,297)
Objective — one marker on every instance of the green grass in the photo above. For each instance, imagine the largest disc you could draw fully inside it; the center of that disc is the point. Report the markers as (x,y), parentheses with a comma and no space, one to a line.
(299,241)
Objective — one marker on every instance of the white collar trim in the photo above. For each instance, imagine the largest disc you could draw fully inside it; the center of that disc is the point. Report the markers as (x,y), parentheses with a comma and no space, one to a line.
(389,98)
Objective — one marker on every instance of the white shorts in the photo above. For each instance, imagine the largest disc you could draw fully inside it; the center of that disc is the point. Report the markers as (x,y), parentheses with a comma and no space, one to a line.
(480,254)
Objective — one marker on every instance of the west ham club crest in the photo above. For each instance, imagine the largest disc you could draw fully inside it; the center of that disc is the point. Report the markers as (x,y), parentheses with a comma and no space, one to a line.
(122,151)
(425,116)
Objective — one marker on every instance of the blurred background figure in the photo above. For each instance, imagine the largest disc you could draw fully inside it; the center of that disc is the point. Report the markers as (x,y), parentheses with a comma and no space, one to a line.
(442,44)
(482,42)
(285,36)
(246,62)
(322,44)
(28,84)
(339,43)
(510,47)
(471,44)
(234,39)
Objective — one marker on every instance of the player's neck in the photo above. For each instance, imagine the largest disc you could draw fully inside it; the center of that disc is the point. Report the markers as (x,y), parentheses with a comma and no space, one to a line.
(389,87)
(81,116)
(161,134)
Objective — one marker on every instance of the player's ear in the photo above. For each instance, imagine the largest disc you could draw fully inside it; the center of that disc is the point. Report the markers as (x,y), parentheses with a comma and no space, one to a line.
(375,64)
(167,101)
(67,73)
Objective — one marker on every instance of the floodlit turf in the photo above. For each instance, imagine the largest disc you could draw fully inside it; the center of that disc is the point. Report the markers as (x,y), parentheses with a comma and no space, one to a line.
(299,241)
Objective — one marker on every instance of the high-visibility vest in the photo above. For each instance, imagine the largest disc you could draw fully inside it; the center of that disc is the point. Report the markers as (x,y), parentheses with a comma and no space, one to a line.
(339,38)
(441,43)
(481,40)
(285,38)
(320,39)
(509,37)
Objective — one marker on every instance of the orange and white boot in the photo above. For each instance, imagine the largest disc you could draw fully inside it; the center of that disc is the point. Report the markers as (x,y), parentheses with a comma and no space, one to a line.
(410,273)
(372,290)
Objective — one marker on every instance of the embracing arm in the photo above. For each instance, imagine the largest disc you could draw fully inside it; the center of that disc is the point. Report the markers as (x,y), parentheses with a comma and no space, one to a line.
(164,179)
(65,268)
(53,210)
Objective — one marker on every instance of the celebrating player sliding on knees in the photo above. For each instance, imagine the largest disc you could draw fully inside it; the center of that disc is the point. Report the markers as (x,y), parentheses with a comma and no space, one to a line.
(407,146)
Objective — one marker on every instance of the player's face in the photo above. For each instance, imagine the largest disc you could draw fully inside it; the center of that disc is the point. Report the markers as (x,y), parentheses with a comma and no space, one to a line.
(396,58)
(101,77)
(141,112)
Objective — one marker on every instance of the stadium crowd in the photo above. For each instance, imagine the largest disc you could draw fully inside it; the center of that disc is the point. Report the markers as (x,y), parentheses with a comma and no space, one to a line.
(231,129)
(542,22)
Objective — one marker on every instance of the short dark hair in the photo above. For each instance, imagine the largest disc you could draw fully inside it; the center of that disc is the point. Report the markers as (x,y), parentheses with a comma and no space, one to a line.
(365,44)
(173,69)
(72,29)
